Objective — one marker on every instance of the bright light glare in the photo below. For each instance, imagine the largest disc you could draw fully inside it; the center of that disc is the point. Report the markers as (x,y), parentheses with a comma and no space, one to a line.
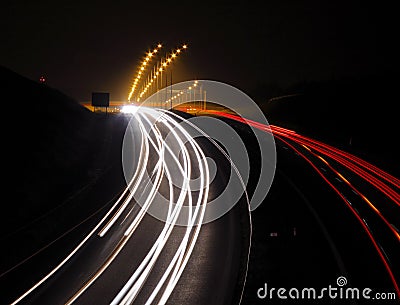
(129,109)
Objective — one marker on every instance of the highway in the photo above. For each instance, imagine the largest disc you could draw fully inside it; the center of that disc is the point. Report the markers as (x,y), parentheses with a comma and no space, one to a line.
(152,244)
(359,207)
(132,255)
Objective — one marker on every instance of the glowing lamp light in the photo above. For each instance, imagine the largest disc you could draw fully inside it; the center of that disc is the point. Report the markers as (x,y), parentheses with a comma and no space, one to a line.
(158,69)
(129,109)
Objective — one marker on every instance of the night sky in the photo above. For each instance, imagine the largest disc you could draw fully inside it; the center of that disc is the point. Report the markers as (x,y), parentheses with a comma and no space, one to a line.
(85,46)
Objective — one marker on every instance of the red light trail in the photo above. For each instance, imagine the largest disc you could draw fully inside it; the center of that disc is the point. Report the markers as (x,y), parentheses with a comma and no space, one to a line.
(378,178)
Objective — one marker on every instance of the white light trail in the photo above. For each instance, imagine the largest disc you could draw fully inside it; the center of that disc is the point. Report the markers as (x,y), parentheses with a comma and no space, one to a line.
(132,287)
(154,125)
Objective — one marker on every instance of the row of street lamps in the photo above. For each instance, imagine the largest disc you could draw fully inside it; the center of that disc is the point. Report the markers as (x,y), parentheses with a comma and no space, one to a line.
(188,95)
(142,69)
(154,76)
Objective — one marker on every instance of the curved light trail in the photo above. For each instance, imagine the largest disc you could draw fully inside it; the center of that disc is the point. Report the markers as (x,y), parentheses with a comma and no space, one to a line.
(121,222)
(380,180)
(157,160)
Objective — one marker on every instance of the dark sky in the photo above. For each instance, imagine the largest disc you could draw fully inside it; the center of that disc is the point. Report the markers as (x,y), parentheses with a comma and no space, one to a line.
(85,46)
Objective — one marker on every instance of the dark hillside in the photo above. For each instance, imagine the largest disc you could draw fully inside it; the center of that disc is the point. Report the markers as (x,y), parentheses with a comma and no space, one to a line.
(61,167)
(48,143)
(357,115)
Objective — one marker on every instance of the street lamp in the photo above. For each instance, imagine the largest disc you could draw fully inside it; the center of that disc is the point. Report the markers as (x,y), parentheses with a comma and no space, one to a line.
(159,68)
(142,68)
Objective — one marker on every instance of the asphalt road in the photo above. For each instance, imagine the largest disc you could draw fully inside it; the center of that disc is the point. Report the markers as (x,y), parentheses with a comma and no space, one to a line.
(91,265)
(321,221)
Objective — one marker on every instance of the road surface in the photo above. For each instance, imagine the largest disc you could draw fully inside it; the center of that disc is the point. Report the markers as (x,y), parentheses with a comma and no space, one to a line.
(328,214)
(128,255)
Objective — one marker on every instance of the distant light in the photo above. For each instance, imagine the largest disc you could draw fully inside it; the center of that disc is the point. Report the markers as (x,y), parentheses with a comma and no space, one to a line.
(129,109)
(42,79)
